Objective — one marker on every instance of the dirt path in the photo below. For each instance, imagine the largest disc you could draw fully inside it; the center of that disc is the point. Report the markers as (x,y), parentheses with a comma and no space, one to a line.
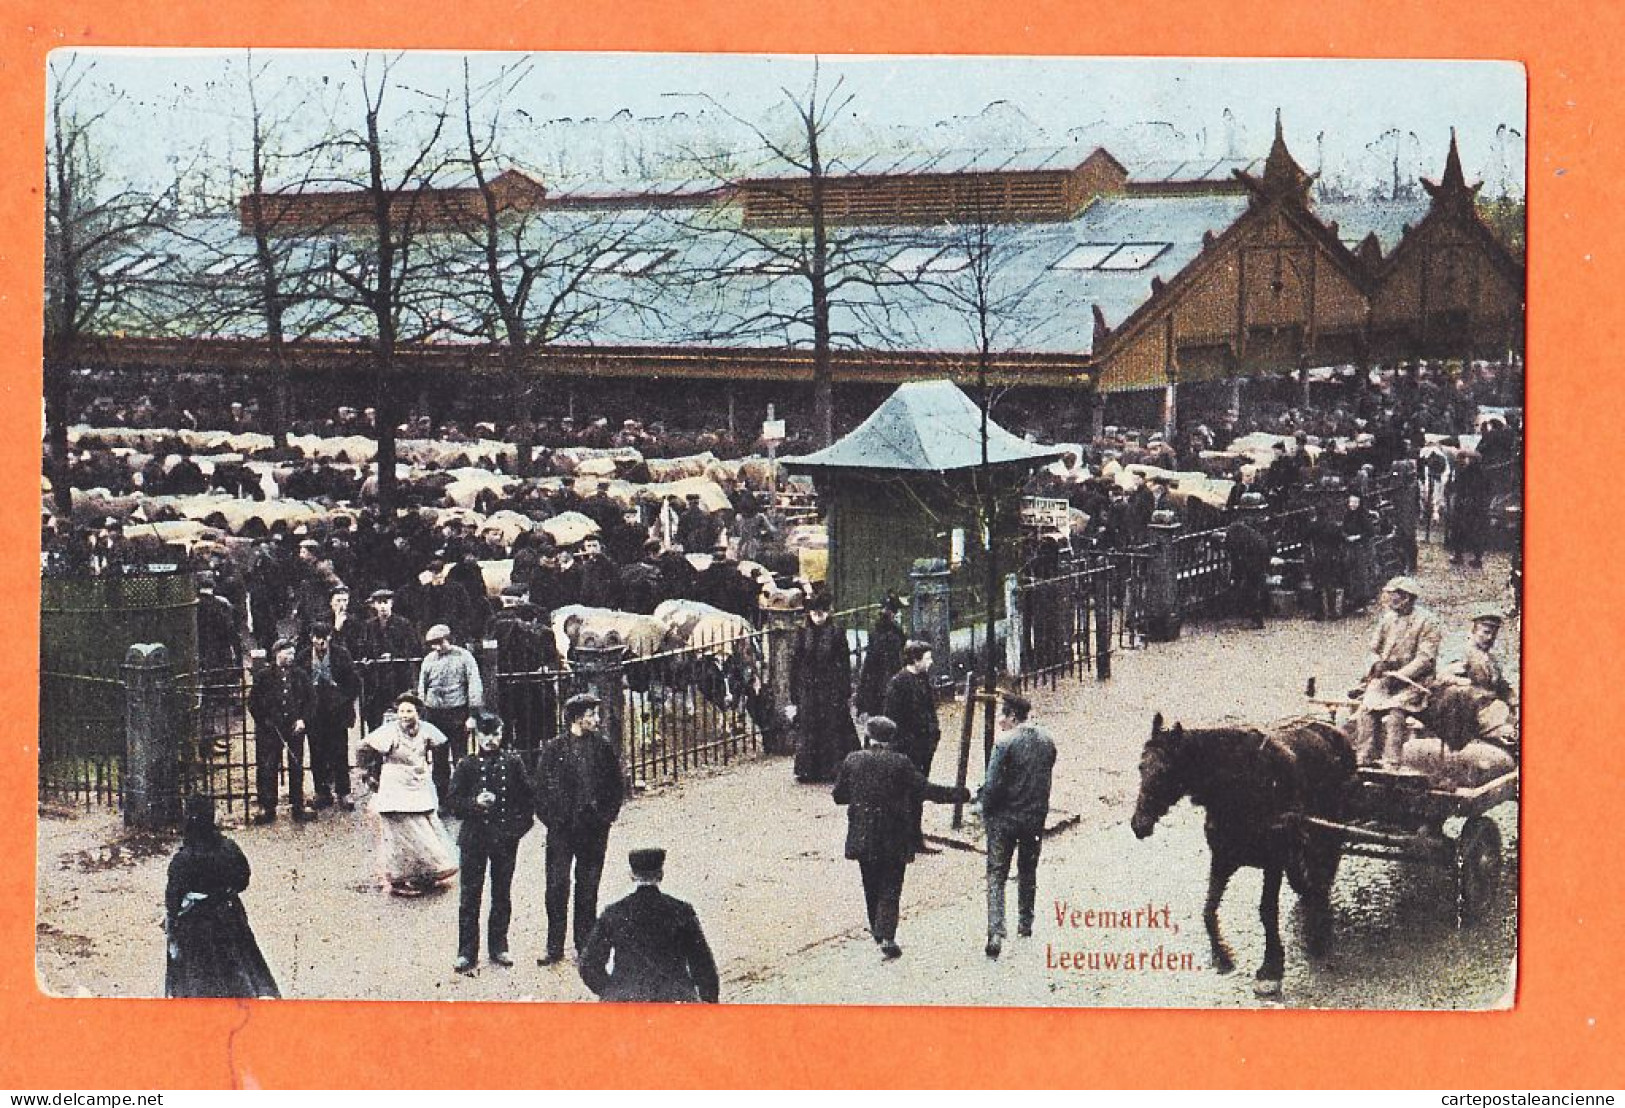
(760,857)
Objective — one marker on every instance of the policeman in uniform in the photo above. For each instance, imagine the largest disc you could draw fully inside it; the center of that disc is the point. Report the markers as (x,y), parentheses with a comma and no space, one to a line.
(492,795)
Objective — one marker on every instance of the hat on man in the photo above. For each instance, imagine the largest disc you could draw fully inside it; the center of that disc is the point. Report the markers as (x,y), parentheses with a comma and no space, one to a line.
(648,861)
(283,644)
(818,602)
(321,630)
(382,594)
(1017,703)
(436,633)
(206,580)
(408,697)
(1405,585)
(879,729)
(1489,612)
(893,603)
(340,588)
(487,723)
(579,705)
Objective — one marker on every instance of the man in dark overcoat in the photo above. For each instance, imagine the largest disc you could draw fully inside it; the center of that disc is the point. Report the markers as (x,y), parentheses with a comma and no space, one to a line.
(658,947)
(334,686)
(386,645)
(1249,549)
(912,707)
(882,657)
(492,795)
(578,797)
(883,789)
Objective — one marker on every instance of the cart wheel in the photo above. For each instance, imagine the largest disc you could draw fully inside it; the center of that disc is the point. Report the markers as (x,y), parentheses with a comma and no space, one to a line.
(1478,869)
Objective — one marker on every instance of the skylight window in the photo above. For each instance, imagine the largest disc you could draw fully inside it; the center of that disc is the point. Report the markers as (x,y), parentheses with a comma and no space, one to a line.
(629,263)
(1087,256)
(145,265)
(1112,256)
(227,267)
(762,261)
(1134,255)
(118,266)
(915,260)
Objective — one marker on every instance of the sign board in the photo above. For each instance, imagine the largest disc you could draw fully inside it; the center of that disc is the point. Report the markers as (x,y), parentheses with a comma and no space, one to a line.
(773,430)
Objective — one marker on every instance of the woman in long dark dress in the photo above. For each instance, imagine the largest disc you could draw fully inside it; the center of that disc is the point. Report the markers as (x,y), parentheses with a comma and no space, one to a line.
(212,951)
(820,687)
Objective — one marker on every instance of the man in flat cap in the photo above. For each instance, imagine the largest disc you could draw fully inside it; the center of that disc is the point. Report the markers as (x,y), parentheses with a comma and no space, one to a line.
(1472,699)
(386,644)
(1015,804)
(280,704)
(334,685)
(659,949)
(492,795)
(1404,652)
(449,683)
(882,789)
(578,797)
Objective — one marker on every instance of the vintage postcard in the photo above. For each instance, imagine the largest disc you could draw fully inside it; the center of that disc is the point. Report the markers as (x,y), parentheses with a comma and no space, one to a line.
(781,529)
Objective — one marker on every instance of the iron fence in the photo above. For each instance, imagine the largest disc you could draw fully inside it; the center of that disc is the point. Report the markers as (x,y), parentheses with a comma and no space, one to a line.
(1066,626)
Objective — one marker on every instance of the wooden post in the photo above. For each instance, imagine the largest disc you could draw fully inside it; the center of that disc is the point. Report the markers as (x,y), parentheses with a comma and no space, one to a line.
(965,725)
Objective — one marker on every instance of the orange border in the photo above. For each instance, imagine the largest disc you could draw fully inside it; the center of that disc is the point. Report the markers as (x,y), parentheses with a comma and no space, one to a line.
(1565,1031)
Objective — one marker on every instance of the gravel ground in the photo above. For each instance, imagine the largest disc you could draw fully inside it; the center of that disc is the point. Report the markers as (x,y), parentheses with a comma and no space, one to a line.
(760,858)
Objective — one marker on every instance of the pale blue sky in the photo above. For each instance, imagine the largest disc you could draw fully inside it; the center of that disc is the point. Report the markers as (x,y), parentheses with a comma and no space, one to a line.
(176,99)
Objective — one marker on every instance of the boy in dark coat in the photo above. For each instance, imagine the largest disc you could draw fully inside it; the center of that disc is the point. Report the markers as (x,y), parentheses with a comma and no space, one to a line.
(493,797)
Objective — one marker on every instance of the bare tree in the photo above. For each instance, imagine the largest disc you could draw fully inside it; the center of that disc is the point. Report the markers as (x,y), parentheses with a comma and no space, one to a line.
(541,274)
(90,218)
(377,267)
(838,267)
(977,275)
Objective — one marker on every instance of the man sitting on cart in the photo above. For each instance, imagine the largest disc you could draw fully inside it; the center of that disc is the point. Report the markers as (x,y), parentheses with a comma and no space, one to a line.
(1469,716)
(1404,651)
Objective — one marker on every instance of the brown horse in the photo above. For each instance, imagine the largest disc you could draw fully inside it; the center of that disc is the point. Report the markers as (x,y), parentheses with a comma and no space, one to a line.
(1254,784)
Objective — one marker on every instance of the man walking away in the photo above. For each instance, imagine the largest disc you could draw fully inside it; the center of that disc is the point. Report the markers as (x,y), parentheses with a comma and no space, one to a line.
(659,951)
(1015,803)
(578,797)
(883,790)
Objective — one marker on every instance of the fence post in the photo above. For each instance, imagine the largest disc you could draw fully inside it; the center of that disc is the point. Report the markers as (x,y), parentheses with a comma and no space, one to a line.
(1014,627)
(1162,610)
(781,624)
(150,791)
(930,618)
(600,669)
(1103,622)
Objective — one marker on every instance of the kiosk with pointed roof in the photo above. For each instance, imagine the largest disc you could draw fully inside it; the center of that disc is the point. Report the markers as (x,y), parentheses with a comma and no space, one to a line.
(907,483)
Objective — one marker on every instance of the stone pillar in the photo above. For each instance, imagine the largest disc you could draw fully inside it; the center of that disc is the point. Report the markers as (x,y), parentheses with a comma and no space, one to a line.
(150,790)
(600,669)
(490,674)
(1162,610)
(1014,631)
(781,624)
(930,618)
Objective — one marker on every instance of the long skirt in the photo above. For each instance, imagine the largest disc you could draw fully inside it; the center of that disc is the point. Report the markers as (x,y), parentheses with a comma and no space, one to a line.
(415,852)
(212,952)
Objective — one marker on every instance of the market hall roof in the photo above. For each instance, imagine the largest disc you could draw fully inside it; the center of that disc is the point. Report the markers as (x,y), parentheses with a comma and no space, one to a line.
(668,281)
(924,427)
